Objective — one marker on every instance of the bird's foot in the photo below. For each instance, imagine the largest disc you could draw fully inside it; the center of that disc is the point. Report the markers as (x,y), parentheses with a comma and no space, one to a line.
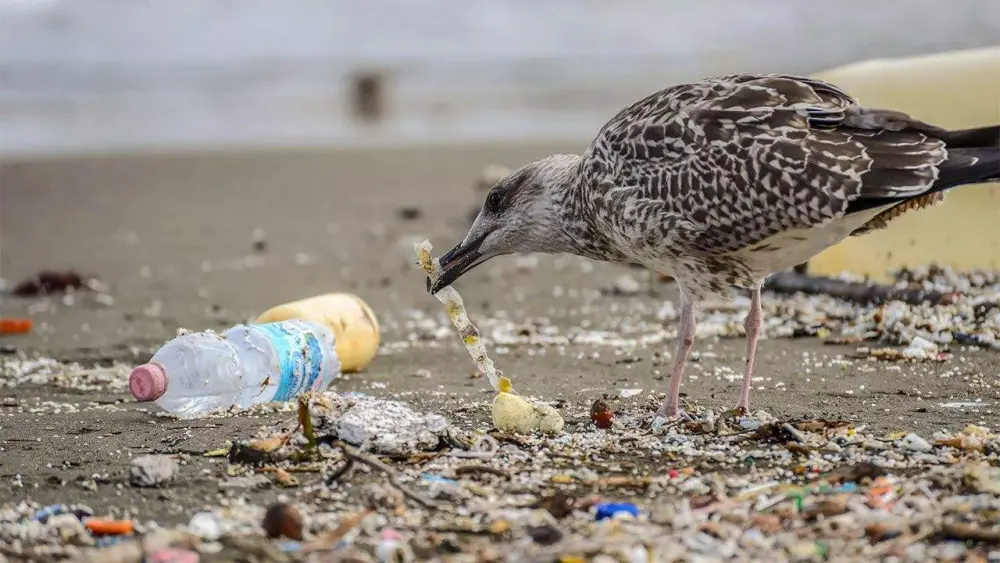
(667,410)
(669,413)
(736,412)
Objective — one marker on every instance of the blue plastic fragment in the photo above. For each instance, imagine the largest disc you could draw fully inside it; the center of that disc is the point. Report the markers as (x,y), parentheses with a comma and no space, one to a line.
(431,478)
(607,510)
(105,541)
(47,512)
(849,487)
(290,546)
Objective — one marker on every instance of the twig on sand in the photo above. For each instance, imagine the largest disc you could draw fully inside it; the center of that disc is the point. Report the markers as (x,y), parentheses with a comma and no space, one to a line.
(352,456)
(857,292)
(305,421)
(480,469)
(963,531)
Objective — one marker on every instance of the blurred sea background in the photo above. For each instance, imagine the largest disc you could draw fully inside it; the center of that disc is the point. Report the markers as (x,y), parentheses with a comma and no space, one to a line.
(113,76)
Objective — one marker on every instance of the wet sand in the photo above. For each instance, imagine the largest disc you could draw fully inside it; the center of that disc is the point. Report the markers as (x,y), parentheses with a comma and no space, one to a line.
(169,235)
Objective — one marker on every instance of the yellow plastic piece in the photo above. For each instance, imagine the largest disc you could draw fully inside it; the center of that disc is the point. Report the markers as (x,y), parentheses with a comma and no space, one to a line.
(504,385)
(955,90)
(513,413)
(348,316)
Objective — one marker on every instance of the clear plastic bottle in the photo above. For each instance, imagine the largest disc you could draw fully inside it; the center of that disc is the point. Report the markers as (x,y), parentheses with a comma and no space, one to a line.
(199,372)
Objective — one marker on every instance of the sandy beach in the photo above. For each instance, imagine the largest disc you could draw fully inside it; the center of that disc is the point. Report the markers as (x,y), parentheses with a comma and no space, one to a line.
(172,238)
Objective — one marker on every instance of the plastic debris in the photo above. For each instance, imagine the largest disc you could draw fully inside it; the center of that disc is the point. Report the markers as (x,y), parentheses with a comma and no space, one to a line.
(512,413)
(349,318)
(47,512)
(393,548)
(706,489)
(106,527)
(205,525)
(390,427)
(456,312)
(173,555)
(915,443)
(152,470)
(606,510)
(15,326)
(921,349)
(197,373)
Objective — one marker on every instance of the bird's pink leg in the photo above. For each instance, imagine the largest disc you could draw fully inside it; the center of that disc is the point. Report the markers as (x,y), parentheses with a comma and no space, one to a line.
(752,325)
(685,340)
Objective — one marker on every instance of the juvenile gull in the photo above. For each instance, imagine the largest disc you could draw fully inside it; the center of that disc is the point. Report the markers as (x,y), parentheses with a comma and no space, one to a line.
(723,182)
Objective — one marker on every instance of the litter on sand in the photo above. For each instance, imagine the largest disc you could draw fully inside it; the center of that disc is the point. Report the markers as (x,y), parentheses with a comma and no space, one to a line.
(511,412)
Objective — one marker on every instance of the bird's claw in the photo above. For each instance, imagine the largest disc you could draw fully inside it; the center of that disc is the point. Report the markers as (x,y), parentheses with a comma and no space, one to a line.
(669,415)
(736,412)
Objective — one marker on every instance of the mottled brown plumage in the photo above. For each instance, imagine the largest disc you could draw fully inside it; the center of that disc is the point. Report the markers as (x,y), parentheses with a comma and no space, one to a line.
(724,181)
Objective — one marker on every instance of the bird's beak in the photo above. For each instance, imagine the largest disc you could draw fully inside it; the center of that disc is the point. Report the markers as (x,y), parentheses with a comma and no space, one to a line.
(464,257)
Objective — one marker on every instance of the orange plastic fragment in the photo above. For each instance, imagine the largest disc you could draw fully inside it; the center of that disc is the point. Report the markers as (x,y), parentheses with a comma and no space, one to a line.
(15,326)
(102,527)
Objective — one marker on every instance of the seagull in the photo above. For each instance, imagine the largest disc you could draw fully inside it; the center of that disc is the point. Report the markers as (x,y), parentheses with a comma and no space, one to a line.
(721,183)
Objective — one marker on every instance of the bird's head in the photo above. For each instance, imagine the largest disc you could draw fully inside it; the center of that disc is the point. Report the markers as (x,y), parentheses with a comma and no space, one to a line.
(523,212)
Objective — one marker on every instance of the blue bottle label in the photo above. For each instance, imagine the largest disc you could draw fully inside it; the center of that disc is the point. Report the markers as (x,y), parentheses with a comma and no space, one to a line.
(300,357)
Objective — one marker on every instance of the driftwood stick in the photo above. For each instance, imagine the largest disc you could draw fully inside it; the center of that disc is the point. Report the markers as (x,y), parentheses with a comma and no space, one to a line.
(857,292)
(353,455)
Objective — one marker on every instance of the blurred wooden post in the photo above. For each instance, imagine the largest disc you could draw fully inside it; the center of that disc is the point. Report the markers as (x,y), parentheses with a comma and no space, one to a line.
(955,90)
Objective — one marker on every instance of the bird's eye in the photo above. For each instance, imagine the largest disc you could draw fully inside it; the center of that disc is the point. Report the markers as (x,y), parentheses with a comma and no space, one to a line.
(493,201)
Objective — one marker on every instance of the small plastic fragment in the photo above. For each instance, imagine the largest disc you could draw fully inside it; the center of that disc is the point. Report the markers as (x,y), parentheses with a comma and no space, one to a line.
(206,526)
(393,548)
(606,510)
(915,443)
(15,326)
(172,555)
(513,413)
(47,512)
(390,427)
(152,470)
(104,527)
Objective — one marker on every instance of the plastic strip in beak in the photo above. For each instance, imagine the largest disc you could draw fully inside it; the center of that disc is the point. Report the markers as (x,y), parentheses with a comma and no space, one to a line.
(456,311)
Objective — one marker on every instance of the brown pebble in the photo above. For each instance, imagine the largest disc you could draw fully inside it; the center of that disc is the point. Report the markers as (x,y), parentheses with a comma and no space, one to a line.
(834,506)
(283,520)
(601,414)
(768,523)
(878,531)
(410,213)
(713,529)
(733,517)
(559,504)
(545,534)
(701,501)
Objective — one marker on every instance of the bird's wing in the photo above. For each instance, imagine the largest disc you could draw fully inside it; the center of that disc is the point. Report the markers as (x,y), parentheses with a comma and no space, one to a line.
(736,159)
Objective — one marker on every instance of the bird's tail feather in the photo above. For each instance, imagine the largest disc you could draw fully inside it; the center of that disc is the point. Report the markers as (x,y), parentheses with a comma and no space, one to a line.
(977,137)
(974,165)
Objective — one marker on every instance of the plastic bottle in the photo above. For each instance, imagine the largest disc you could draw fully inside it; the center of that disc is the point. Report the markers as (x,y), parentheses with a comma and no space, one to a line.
(347,315)
(199,372)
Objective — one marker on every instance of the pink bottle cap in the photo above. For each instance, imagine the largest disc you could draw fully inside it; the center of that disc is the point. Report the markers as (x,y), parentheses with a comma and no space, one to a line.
(147,382)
